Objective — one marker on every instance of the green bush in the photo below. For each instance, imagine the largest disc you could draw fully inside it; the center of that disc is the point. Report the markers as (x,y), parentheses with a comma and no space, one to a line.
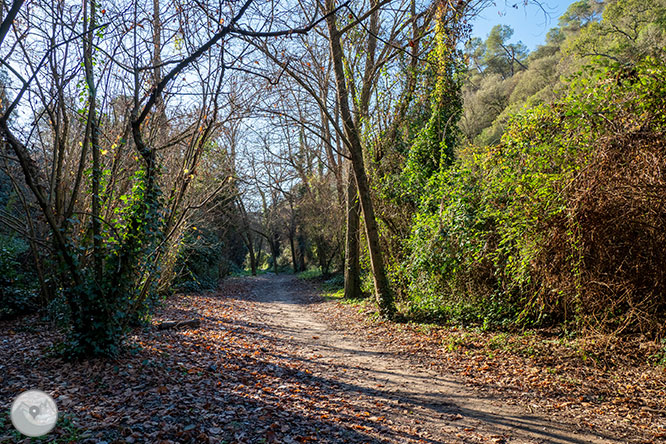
(18,291)
(562,221)
(201,262)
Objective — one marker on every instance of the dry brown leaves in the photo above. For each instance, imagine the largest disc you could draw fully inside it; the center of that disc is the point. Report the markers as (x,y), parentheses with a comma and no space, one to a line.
(233,381)
(605,385)
(228,381)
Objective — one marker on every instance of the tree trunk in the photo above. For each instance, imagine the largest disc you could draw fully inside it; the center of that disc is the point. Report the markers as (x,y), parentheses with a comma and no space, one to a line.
(160,114)
(250,250)
(275,252)
(382,289)
(301,252)
(322,257)
(89,23)
(249,239)
(292,246)
(352,242)
(260,247)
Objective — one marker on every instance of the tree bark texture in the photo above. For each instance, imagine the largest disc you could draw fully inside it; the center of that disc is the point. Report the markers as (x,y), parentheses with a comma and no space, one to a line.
(382,290)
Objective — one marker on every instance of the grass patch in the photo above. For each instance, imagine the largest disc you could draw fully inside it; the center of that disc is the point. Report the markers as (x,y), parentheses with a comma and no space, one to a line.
(313,273)
(338,294)
(333,288)
(362,303)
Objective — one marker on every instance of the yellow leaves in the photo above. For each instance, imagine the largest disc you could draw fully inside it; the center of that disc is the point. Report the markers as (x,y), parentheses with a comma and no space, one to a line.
(104,152)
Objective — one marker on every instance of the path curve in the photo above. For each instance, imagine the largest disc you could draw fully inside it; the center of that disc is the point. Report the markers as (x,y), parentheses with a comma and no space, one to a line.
(438,408)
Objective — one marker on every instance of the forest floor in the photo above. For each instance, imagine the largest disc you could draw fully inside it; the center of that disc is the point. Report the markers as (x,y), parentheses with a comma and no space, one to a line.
(275,362)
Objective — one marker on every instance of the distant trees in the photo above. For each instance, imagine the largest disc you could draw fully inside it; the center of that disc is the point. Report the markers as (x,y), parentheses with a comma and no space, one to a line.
(343,93)
(625,32)
(377,69)
(501,57)
(588,29)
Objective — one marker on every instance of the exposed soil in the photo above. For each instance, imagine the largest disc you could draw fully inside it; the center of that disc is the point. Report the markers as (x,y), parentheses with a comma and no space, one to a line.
(435,407)
(273,362)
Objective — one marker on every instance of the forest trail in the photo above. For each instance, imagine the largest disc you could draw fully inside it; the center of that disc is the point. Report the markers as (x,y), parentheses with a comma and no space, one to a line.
(274,362)
(432,407)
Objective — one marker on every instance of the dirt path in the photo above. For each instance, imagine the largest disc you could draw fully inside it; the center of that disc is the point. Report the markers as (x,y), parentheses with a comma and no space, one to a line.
(272,362)
(433,407)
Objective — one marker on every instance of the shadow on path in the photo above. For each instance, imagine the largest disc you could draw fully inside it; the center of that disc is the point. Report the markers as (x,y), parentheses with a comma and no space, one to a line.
(439,407)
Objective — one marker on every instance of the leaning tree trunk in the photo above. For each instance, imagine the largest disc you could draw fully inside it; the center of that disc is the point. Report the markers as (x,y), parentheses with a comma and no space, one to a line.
(382,289)
(352,242)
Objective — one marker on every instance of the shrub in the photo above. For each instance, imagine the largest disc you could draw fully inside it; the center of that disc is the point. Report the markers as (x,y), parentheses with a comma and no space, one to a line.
(201,261)
(18,292)
(565,220)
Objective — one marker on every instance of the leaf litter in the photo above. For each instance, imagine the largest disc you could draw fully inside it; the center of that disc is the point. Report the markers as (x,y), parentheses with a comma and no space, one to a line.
(235,379)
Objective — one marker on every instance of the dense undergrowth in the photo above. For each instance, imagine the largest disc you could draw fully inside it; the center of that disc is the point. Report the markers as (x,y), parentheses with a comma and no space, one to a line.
(17,281)
(563,221)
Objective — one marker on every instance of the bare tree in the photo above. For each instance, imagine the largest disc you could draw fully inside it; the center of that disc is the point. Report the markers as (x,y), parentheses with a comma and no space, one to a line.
(112,237)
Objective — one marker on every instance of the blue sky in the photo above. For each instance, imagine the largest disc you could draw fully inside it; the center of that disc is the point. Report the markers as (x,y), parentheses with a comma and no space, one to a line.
(529,23)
